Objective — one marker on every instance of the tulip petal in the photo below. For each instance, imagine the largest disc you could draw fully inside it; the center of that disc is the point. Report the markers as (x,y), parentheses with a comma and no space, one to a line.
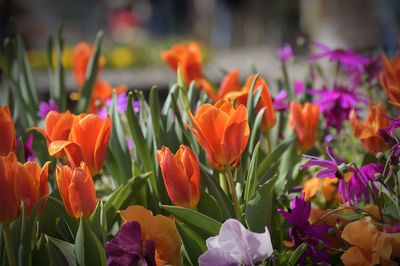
(9,208)
(236,136)
(82,194)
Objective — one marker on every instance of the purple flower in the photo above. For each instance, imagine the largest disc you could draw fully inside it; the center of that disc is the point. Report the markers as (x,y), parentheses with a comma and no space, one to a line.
(126,248)
(357,186)
(346,57)
(236,245)
(285,53)
(330,166)
(46,107)
(122,105)
(280,101)
(302,231)
(298,86)
(389,136)
(352,185)
(392,229)
(336,104)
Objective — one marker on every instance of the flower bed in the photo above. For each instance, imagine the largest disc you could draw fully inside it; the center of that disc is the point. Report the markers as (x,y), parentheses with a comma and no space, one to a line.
(234,175)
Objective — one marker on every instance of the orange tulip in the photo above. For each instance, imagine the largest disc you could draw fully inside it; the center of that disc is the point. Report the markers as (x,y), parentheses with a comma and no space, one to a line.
(188,58)
(269,118)
(31,184)
(77,190)
(368,131)
(102,92)
(87,142)
(161,230)
(80,60)
(9,207)
(57,126)
(181,174)
(304,120)
(390,78)
(7,131)
(369,245)
(20,183)
(231,82)
(222,131)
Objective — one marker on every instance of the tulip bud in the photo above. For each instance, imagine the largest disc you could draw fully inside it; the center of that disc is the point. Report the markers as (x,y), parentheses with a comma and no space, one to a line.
(181,174)
(77,190)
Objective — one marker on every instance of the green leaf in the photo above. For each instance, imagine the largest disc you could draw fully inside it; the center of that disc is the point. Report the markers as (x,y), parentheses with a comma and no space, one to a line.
(137,136)
(24,249)
(255,130)
(209,206)
(60,252)
(274,156)
(297,254)
(260,208)
(122,196)
(215,190)
(118,146)
(250,99)
(155,112)
(350,216)
(90,78)
(286,167)
(88,249)
(28,89)
(193,244)
(194,219)
(98,222)
(251,180)
(58,92)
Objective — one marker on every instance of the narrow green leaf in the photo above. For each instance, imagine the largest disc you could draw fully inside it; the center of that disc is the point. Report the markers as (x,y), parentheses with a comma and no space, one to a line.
(251,179)
(90,78)
(118,145)
(98,222)
(194,219)
(155,112)
(209,206)
(137,136)
(260,208)
(59,93)
(60,252)
(274,156)
(215,190)
(120,197)
(297,254)
(193,244)
(250,104)
(88,249)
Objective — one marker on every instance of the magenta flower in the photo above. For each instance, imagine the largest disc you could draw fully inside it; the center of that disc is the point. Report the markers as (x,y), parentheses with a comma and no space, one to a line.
(280,101)
(392,229)
(122,105)
(46,107)
(302,231)
(357,186)
(346,57)
(235,245)
(336,104)
(299,86)
(285,53)
(127,248)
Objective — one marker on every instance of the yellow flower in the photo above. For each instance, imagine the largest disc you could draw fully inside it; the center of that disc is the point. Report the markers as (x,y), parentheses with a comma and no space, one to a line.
(121,57)
(161,230)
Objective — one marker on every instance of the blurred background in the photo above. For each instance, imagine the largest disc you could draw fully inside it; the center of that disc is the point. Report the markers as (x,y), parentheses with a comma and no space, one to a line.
(232,33)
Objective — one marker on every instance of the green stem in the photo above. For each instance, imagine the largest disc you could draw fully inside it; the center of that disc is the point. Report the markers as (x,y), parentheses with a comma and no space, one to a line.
(232,190)
(9,245)
(223,184)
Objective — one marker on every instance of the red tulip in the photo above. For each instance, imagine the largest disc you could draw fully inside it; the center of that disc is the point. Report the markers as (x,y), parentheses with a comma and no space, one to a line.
(77,190)
(181,174)
(7,131)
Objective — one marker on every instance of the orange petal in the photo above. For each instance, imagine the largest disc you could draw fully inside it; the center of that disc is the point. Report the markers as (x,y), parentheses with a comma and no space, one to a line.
(7,131)
(9,208)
